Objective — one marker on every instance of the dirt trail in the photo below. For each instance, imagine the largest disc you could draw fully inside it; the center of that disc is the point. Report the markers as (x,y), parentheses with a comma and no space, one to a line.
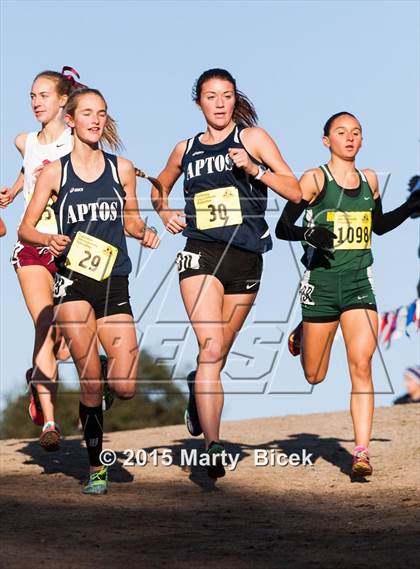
(175,516)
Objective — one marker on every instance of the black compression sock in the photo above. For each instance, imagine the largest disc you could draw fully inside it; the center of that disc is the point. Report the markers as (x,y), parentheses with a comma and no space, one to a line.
(92,424)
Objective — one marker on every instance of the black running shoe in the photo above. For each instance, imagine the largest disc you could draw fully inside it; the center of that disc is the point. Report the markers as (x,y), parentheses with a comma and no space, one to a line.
(191,418)
(216,469)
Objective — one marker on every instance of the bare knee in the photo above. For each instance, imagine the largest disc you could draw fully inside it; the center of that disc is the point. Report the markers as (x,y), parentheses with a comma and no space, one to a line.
(212,352)
(361,368)
(314,376)
(124,391)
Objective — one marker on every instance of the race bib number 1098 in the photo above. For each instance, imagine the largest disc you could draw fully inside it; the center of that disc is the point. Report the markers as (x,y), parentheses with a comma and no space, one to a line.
(353,229)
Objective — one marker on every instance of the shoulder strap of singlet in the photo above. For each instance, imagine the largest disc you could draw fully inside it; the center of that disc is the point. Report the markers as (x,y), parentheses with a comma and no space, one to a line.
(362,175)
(112,161)
(327,172)
(65,163)
(30,142)
(190,144)
(58,205)
(237,134)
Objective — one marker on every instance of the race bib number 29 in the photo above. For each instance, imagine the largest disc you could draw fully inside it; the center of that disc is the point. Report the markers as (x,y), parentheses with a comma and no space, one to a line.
(91,257)
(218,208)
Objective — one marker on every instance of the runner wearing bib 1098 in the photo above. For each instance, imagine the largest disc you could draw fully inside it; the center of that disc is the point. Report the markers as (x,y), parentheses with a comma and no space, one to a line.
(341,207)
(95,204)
(227,170)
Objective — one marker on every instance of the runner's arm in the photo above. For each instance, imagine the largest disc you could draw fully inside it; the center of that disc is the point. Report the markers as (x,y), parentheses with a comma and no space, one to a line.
(320,237)
(172,219)
(134,225)
(384,222)
(7,195)
(280,177)
(47,183)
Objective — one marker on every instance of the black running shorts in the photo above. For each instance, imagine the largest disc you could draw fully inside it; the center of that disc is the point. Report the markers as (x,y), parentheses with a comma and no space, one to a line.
(106,297)
(238,270)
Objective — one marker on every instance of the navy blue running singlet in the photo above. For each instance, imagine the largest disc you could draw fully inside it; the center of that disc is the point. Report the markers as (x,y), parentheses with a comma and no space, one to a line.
(223,203)
(96,208)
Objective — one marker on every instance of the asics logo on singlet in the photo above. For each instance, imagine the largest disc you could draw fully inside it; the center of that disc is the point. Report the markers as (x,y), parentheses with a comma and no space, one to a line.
(202,166)
(104,211)
(71,190)
(197,153)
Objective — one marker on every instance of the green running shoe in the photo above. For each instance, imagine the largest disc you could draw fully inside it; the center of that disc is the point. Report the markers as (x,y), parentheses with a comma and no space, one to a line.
(216,469)
(108,394)
(98,482)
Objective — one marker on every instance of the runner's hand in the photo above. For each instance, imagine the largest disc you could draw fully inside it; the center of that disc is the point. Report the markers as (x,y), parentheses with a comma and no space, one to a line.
(413,201)
(57,244)
(6,197)
(150,239)
(241,159)
(38,170)
(320,237)
(172,221)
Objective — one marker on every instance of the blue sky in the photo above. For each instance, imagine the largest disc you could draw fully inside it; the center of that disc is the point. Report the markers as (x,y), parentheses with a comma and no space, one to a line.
(299,62)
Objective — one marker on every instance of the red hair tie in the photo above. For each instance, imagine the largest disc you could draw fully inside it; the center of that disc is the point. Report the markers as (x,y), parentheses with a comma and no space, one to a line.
(70,78)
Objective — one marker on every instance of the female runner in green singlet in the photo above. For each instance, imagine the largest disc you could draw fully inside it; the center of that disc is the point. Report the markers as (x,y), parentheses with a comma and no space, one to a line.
(341,207)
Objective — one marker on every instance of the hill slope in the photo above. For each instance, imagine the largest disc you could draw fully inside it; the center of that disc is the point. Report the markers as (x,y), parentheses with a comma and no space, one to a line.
(175,516)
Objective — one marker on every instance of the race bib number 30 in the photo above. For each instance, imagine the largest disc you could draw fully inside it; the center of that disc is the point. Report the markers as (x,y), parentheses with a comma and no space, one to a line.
(353,229)
(91,257)
(218,208)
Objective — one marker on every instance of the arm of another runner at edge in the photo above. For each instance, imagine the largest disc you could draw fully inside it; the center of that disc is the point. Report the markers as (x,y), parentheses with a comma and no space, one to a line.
(280,178)
(20,143)
(48,182)
(7,195)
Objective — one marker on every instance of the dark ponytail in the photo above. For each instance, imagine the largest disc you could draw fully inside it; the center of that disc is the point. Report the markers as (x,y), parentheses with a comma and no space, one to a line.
(244,113)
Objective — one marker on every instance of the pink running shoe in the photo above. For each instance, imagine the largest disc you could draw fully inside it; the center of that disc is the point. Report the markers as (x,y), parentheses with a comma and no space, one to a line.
(294,341)
(361,462)
(35,410)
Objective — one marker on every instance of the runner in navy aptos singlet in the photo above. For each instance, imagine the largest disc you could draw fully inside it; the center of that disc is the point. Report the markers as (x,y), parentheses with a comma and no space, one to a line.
(95,203)
(227,170)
